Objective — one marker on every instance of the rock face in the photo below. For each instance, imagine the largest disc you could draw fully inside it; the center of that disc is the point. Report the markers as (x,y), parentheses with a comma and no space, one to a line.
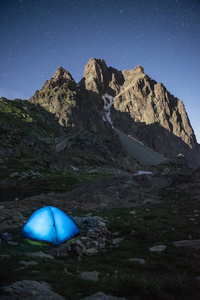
(141,107)
(62,97)
(155,116)
(103,103)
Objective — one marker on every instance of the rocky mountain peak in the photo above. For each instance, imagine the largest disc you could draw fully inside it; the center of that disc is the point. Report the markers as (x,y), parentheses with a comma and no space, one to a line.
(138,69)
(60,77)
(94,75)
(62,73)
(136,104)
(99,78)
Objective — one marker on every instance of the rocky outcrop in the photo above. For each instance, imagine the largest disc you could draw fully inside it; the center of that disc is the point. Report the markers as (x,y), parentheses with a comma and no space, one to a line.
(141,107)
(62,97)
(100,79)
(162,117)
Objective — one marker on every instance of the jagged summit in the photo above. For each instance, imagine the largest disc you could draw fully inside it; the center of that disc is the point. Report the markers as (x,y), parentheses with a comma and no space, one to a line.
(138,106)
(60,77)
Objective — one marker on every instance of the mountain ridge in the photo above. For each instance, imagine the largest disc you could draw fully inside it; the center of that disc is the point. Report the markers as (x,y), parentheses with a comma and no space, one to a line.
(92,112)
(141,107)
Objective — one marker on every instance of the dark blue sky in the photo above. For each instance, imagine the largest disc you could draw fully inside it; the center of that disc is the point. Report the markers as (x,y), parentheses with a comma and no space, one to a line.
(161,35)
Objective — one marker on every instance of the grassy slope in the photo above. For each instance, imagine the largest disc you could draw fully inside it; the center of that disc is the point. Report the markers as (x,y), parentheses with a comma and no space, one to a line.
(22,116)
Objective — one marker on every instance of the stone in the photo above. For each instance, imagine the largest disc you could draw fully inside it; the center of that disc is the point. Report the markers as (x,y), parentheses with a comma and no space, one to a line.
(7,256)
(92,276)
(84,239)
(39,254)
(18,218)
(194,244)
(102,296)
(28,263)
(79,243)
(64,248)
(34,290)
(139,260)
(61,145)
(79,250)
(14,174)
(94,244)
(12,243)
(91,251)
(158,248)
(117,241)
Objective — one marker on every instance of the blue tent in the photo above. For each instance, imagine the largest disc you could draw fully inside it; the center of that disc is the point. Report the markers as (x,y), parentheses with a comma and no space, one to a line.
(49,224)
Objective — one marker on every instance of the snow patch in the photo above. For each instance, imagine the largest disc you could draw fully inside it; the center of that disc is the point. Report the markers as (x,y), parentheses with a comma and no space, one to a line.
(74,168)
(108,102)
(142,172)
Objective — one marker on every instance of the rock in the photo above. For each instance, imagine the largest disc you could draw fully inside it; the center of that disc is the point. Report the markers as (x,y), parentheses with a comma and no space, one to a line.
(133,212)
(61,145)
(18,218)
(194,244)
(6,236)
(94,244)
(12,243)
(28,263)
(39,254)
(14,174)
(91,251)
(62,252)
(102,296)
(85,239)
(159,248)
(117,241)
(7,256)
(64,248)
(79,250)
(34,290)
(79,243)
(92,276)
(139,260)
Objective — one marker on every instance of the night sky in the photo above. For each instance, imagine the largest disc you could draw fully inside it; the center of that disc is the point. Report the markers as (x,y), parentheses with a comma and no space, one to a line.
(36,37)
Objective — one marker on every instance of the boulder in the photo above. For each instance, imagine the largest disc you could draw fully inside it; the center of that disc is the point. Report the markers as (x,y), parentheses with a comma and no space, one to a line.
(158,248)
(194,244)
(92,276)
(102,296)
(91,251)
(34,290)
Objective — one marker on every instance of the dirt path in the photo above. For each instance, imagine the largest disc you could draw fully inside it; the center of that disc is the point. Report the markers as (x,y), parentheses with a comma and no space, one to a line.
(141,153)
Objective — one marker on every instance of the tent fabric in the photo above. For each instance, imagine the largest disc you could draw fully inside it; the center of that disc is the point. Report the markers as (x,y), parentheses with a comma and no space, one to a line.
(49,224)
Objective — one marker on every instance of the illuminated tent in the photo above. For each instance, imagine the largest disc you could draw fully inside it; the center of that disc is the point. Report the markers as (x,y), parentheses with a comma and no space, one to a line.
(49,224)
